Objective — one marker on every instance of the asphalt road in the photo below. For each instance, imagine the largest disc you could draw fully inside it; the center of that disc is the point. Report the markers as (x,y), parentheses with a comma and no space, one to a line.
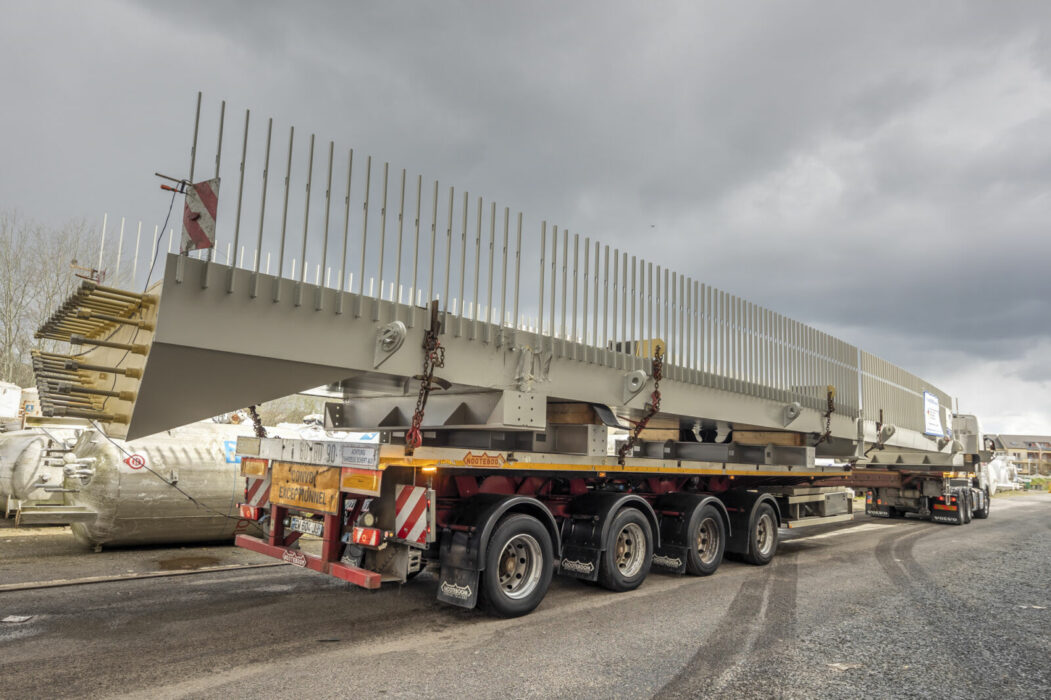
(871,608)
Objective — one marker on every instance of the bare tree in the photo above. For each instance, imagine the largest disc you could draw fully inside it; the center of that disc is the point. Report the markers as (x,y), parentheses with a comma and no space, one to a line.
(35,276)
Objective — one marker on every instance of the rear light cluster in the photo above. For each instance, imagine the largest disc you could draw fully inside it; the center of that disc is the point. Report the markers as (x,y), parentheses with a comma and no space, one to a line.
(250,512)
(367,536)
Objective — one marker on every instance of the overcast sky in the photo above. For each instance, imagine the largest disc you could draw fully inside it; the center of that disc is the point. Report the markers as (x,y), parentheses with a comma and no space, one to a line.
(879,170)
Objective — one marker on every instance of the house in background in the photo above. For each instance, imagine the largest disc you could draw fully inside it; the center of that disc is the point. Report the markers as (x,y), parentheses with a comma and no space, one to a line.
(1032,453)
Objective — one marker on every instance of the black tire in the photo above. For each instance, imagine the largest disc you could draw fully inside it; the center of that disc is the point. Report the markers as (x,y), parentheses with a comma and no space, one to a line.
(965,501)
(628,551)
(707,537)
(894,513)
(983,512)
(762,536)
(959,511)
(519,563)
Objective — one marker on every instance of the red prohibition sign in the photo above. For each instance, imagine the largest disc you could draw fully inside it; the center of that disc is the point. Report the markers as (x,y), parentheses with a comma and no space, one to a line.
(135,461)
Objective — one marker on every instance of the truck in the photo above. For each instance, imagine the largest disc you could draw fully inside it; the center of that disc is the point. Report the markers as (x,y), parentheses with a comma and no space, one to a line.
(602,419)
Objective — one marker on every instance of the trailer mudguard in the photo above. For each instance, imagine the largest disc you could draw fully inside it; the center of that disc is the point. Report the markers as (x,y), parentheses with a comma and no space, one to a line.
(584,532)
(741,507)
(466,536)
(675,511)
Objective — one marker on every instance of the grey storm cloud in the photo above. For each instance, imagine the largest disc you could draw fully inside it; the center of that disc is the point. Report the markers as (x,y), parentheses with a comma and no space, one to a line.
(880,170)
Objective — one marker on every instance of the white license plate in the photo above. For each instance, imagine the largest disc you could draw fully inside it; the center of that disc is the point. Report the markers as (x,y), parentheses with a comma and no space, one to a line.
(309,527)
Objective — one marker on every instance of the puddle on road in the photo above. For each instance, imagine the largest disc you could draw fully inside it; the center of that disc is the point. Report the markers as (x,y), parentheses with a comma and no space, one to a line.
(186,563)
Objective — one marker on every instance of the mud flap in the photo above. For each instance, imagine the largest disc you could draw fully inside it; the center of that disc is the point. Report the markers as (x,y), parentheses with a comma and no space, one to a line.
(458,587)
(670,558)
(950,515)
(579,561)
(874,508)
(458,583)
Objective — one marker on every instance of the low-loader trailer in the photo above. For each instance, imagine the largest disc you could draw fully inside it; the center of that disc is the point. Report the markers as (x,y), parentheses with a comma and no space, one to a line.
(548,404)
(498,519)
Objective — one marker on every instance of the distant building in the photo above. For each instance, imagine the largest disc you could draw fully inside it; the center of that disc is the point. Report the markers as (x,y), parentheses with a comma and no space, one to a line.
(1032,453)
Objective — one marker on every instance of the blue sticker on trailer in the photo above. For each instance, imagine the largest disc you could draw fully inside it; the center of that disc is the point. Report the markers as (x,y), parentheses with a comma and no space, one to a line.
(230,448)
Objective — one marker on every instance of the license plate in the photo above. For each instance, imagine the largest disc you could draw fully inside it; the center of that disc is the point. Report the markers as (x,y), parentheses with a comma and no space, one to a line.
(309,527)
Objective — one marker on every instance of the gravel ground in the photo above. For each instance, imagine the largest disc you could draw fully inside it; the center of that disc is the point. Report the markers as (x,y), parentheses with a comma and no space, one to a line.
(871,608)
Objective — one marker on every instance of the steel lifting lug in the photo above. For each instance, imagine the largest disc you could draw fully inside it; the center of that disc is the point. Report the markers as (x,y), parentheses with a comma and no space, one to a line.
(634,382)
(388,340)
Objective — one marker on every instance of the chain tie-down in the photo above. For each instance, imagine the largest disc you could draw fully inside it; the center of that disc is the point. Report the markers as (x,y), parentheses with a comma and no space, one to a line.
(433,357)
(652,408)
(257,424)
(830,409)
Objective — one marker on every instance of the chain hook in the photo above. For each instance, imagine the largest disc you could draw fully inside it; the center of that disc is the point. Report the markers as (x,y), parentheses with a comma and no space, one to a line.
(651,408)
(433,357)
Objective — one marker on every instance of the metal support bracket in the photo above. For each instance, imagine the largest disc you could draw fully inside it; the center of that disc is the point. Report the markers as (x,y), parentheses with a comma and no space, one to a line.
(634,382)
(388,341)
(790,412)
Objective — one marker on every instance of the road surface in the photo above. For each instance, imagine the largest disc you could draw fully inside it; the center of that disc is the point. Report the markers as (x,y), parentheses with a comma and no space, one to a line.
(870,608)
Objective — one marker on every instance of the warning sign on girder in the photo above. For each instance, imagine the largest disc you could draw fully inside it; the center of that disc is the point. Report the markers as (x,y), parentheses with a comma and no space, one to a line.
(198,218)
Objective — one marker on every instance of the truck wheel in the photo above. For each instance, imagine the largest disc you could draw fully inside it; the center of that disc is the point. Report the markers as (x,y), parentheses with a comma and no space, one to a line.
(628,551)
(983,512)
(959,511)
(965,505)
(762,536)
(519,563)
(707,535)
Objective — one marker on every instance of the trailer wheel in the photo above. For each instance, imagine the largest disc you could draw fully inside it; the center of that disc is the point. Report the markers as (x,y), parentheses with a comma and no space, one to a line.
(762,536)
(628,553)
(518,566)
(707,536)
(983,512)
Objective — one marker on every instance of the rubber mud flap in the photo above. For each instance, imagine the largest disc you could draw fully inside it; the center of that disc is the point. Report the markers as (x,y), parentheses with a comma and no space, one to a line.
(460,564)
(950,517)
(670,558)
(579,562)
(875,511)
(458,587)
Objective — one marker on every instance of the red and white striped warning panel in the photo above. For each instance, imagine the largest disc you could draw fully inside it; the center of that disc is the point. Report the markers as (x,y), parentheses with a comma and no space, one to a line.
(198,216)
(257,492)
(411,513)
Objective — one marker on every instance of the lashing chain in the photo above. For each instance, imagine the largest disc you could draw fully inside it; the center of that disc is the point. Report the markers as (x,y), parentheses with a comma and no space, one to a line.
(433,357)
(257,423)
(652,408)
(830,409)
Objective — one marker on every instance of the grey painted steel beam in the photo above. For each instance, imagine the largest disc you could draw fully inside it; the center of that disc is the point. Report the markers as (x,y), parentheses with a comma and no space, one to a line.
(215,351)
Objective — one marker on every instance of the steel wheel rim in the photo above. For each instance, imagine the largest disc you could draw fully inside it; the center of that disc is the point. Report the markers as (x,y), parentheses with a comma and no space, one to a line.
(519,567)
(764,534)
(630,550)
(707,541)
